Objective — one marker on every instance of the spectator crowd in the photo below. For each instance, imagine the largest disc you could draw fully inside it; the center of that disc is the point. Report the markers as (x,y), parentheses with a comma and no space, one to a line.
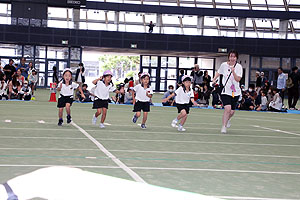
(18,80)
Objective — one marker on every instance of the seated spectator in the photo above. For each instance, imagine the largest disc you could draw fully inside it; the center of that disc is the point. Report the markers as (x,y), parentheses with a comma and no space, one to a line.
(276,103)
(206,94)
(263,106)
(168,93)
(120,97)
(32,80)
(126,83)
(86,93)
(20,78)
(196,93)
(25,92)
(131,82)
(252,92)
(216,101)
(128,96)
(206,79)
(9,70)
(13,88)
(3,88)
(247,102)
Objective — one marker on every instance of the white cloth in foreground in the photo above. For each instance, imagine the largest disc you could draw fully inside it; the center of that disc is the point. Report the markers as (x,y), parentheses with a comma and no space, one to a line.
(65,183)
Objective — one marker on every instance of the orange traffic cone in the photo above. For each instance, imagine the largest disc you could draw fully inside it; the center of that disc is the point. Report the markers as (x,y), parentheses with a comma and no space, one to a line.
(52,92)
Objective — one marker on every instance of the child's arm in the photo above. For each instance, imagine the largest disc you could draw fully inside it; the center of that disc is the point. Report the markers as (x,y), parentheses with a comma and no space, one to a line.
(169,97)
(59,87)
(194,102)
(148,94)
(133,97)
(96,80)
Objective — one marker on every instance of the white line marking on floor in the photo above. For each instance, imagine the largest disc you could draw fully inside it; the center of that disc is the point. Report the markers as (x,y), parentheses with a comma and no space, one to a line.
(216,170)
(161,168)
(50,138)
(91,157)
(276,130)
(134,175)
(200,142)
(7,121)
(205,153)
(107,124)
(41,121)
(249,198)
(157,152)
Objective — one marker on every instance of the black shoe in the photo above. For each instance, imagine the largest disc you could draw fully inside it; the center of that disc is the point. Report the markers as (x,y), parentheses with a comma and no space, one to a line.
(69,119)
(60,122)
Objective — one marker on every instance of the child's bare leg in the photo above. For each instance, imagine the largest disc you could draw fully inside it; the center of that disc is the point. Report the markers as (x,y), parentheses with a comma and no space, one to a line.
(145,116)
(103,117)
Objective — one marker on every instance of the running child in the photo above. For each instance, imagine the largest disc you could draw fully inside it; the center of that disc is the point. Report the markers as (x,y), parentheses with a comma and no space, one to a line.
(104,85)
(142,94)
(183,96)
(65,100)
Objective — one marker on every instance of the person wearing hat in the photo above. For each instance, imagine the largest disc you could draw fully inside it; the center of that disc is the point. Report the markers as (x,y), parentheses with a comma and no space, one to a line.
(142,94)
(232,74)
(65,100)
(104,86)
(183,95)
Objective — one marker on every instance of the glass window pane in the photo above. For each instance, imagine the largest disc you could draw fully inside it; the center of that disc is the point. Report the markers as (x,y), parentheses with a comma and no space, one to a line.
(186,62)
(163,73)
(41,79)
(153,73)
(146,61)
(206,63)
(270,63)
(255,62)
(171,74)
(286,63)
(10,50)
(75,53)
(40,65)
(162,85)
(171,61)
(28,51)
(58,52)
(154,61)
(40,52)
(163,62)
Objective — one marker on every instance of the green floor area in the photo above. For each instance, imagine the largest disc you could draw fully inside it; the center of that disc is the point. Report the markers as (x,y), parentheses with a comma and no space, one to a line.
(258,158)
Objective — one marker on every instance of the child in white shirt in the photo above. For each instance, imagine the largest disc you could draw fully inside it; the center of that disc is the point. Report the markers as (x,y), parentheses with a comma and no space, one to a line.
(66,88)
(142,94)
(183,95)
(3,89)
(101,96)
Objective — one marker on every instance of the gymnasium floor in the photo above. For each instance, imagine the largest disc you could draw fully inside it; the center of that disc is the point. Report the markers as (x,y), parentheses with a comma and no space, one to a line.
(259,158)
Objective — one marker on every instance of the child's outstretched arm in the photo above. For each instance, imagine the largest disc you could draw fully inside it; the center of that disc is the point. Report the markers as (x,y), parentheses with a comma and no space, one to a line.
(169,97)
(133,97)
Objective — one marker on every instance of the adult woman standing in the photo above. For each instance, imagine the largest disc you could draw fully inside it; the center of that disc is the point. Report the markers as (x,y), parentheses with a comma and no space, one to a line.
(232,74)
(80,74)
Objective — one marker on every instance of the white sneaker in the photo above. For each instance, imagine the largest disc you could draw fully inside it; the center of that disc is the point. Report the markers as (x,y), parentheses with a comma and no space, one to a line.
(94,120)
(228,124)
(181,129)
(174,123)
(102,125)
(223,130)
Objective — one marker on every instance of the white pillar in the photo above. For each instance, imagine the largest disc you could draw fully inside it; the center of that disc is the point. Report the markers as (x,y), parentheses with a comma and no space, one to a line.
(76,17)
(283,29)
(200,25)
(117,20)
(241,27)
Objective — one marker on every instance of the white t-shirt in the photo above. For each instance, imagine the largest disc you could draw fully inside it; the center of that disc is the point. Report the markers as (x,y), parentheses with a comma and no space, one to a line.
(232,85)
(102,91)
(141,93)
(68,90)
(264,100)
(183,97)
(3,90)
